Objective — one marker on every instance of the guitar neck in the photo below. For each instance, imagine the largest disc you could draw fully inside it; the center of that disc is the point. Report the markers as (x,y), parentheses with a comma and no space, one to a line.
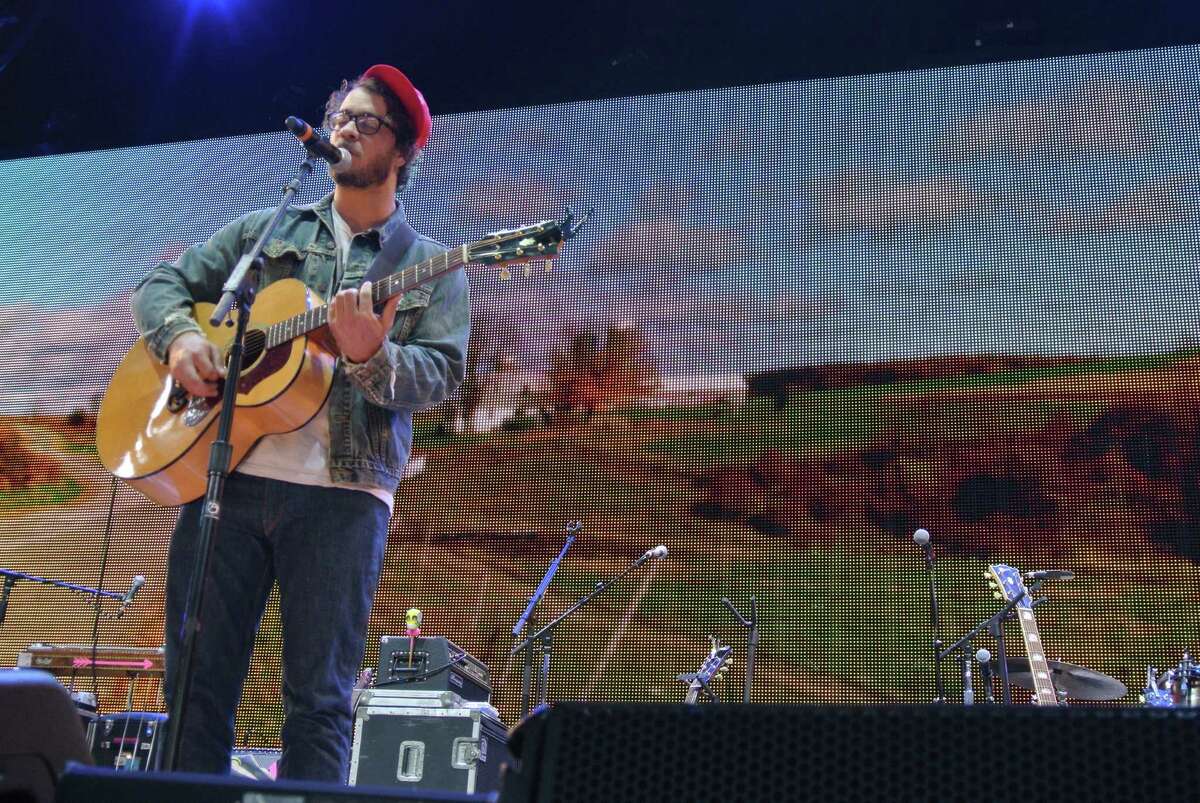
(400,282)
(1044,693)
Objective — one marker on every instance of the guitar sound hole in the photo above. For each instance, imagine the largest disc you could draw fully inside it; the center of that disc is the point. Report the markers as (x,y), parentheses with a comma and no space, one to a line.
(256,344)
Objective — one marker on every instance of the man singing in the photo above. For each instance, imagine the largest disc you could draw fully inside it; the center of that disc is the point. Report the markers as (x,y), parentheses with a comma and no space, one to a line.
(310,508)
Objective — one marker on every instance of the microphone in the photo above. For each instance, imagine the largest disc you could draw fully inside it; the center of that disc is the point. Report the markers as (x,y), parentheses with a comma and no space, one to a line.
(1049,574)
(137,583)
(922,539)
(985,672)
(338,158)
(659,551)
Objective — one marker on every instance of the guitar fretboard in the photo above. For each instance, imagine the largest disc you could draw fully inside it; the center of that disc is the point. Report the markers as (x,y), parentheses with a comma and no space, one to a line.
(400,282)
(1044,693)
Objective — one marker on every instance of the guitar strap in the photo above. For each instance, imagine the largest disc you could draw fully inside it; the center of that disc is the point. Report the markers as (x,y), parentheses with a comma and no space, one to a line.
(395,238)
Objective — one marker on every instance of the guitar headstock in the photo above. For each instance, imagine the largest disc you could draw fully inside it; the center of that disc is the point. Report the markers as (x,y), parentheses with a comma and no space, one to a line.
(716,663)
(714,666)
(539,242)
(1007,584)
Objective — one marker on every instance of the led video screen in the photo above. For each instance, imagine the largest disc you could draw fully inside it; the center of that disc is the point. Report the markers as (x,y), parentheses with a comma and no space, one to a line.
(806,320)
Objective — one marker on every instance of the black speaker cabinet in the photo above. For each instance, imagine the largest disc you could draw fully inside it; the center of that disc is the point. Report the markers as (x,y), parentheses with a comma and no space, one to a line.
(40,731)
(603,752)
(103,785)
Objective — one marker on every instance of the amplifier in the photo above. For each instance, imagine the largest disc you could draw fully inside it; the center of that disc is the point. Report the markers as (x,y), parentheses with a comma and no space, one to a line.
(435,664)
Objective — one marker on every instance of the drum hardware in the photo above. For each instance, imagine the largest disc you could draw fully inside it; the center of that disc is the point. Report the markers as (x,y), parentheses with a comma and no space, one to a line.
(994,625)
(1175,688)
(1008,585)
(1070,681)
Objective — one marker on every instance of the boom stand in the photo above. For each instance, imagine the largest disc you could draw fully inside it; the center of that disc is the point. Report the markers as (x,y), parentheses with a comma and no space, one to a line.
(751,625)
(543,637)
(239,289)
(573,529)
(993,625)
(11,578)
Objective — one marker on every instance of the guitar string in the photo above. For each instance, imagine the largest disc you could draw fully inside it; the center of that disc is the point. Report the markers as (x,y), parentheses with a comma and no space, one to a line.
(289,328)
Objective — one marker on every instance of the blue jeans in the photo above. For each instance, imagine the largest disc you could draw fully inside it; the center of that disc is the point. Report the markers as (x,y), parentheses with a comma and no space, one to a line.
(324,546)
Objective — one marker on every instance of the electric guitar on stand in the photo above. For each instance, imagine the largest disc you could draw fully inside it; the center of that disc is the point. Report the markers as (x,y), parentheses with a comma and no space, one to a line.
(1009,585)
(155,436)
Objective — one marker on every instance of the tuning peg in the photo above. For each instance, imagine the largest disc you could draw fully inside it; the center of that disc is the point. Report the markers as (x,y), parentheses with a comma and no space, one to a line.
(549,265)
(987,575)
(992,584)
(528,268)
(996,594)
(505,274)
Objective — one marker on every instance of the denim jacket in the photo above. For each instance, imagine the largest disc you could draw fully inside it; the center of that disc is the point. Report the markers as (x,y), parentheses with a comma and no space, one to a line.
(370,404)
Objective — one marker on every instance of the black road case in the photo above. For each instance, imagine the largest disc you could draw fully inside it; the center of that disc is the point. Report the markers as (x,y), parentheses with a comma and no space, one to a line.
(427,740)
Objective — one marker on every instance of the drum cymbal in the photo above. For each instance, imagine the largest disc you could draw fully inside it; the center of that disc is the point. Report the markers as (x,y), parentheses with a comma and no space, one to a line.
(1076,682)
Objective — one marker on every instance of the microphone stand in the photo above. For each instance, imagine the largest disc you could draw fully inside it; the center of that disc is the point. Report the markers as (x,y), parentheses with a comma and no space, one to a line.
(11,578)
(751,641)
(939,694)
(545,635)
(240,288)
(573,529)
(993,625)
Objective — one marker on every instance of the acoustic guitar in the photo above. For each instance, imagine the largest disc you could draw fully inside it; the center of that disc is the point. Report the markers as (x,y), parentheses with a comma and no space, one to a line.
(155,436)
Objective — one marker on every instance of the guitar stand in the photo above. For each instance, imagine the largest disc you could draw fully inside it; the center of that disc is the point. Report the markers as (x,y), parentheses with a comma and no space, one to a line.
(692,677)
(751,626)
(239,289)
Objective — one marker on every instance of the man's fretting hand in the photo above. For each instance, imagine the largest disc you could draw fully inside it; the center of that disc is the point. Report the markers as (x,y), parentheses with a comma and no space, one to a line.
(196,363)
(358,331)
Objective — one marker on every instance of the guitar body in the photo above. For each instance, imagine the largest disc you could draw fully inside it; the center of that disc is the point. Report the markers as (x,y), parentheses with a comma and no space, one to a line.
(158,440)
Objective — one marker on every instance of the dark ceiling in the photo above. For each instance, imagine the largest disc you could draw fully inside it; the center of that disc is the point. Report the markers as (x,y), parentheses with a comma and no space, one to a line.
(80,76)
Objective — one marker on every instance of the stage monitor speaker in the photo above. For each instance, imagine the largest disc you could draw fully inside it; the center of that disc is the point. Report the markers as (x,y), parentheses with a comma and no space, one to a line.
(604,752)
(40,730)
(103,785)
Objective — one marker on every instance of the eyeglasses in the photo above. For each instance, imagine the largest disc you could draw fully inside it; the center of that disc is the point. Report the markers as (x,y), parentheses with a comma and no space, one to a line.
(366,122)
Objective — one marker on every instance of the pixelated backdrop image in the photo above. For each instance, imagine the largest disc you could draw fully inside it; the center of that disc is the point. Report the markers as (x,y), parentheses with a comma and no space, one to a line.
(806,320)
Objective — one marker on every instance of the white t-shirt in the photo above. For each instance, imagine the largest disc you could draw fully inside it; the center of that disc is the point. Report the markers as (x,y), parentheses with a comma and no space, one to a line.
(302,456)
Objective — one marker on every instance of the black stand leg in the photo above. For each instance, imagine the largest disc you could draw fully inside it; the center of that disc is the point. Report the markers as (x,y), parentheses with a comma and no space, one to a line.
(9,582)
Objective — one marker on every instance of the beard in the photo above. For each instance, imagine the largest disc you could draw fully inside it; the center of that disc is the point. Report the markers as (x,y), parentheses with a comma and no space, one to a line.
(364,174)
